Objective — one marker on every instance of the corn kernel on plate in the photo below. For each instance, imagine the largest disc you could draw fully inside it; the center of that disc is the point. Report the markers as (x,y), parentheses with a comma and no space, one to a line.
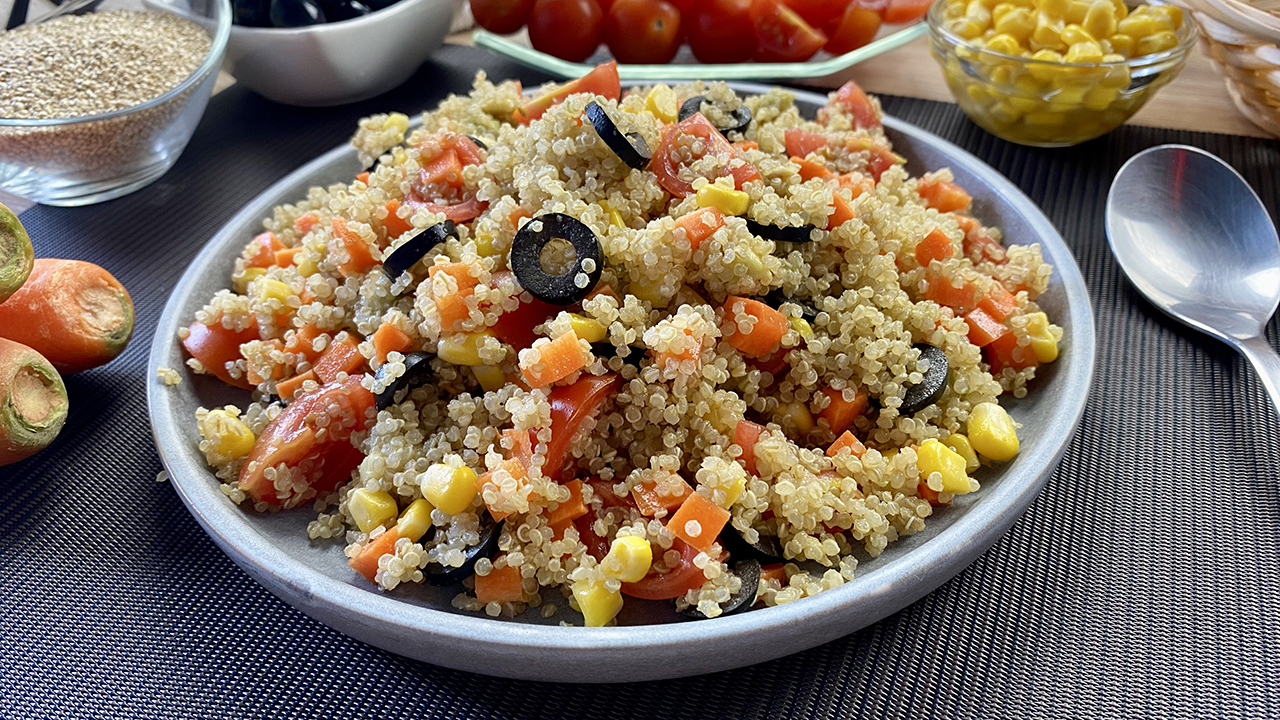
(650,640)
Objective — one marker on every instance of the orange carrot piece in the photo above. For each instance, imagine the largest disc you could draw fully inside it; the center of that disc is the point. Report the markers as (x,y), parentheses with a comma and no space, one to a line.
(840,413)
(444,169)
(570,509)
(363,177)
(998,302)
(810,169)
(1004,352)
(388,339)
(289,387)
(944,196)
(366,561)
(285,257)
(925,492)
(650,502)
(698,522)
(842,213)
(517,215)
(776,571)
(501,585)
(765,335)
(935,246)
(745,436)
(461,272)
(262,249)
(664,359)
(215,346)
(516,468)
(359,257)
(983,329)
(341,356)
(745,145)
(557,360)
(961,299)
(303,342)
(847,440)
(393,224)
(700,225)
(857,183)
(277,371)
(305,223)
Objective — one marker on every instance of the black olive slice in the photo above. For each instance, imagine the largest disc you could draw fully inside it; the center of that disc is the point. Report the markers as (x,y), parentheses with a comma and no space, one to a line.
(788,234)
(479,143)
(417,371)
(934,384)
(743,599)
(741,116)
(634,152)
(630,355)
(526,259)
(775,298)
(490,531)
(767,549)
(416,248)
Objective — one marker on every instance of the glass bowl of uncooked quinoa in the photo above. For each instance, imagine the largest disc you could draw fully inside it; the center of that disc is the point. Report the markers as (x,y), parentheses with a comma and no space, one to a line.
(99,101)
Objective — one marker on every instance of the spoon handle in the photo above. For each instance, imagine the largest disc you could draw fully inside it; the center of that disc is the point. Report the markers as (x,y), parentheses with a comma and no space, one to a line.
(1266,362)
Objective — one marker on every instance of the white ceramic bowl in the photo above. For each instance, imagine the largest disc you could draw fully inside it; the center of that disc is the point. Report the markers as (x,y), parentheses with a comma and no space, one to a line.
(341,62)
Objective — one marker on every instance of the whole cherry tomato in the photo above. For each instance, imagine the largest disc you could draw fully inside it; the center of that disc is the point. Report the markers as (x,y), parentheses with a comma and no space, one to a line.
(720,31)
(501,16)
(567,29)
(643,31)
(858,27)
(782,35)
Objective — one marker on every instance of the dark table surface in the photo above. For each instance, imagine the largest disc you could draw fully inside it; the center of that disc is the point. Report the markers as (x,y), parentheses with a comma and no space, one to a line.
(1142,583)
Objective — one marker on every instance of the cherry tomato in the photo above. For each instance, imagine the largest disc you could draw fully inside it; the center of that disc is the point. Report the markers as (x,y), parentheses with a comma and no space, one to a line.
(215,346)
(716,30)
(603,81)
(782,35)
(695,128)
(567,29)
(643,31)
(854,101)
(685,576)
(905,11)
(819,13)
(606,5)
(858,27)
(685,6)
(571,405)
(501,16)
(439,187)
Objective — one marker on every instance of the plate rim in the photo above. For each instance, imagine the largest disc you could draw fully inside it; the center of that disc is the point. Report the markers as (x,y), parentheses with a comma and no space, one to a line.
(512,649)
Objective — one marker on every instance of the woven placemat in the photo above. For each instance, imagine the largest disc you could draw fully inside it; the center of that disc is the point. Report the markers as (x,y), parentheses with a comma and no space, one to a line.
(1142,583)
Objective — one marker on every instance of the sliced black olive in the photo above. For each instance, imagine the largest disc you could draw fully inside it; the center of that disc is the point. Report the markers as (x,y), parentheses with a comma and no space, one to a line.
(296,13)
(767,549)
(417,247)
(379,4)
(934,384)
(526,259)
(630,355)
(479,143)
(490,531)
(741,116)
(417,371)
(631,149)
(775,298)
(338,10)
(788,234)
(743,599)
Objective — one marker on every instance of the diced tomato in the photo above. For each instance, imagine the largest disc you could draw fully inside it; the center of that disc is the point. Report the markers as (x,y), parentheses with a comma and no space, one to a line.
(905,11)
(685,576)
(305,222)
(880,158)
(303,342)
(602,80)
(852,100)
(935,246)
(515,327)
(439,187)
(745,436)
(998,302)
(775,363)
(597,547)
(983,329)
(810,169)
(943,196)
(215,346)
(261,251)
(698,127)
(776,572)
(570,406)
(802,142)
(782,35)
(979,246)
(604,490)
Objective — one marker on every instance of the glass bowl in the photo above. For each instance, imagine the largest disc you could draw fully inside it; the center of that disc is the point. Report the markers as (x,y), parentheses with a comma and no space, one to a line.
(84,160)
(1046,103)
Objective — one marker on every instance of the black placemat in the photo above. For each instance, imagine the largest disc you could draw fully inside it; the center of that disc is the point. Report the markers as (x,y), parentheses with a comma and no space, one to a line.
(1142,583)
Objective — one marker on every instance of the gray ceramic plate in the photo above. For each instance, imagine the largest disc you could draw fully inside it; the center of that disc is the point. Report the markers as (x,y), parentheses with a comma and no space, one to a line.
(650,641)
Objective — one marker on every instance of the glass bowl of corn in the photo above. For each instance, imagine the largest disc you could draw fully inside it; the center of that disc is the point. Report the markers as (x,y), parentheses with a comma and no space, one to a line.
(1053,73)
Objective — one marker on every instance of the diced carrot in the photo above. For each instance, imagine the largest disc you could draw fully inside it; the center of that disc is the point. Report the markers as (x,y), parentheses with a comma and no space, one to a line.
(776,572)
(288,388)
(935,246)
(701,224)
(602,80)
(664,359)
(501,585)
(927,493)
(285,257)
(556,361)
(570,509)
(277,371)
(303,342)
(810,169)
(857,183)
(521,443)
(745,145)
(460,272)
(698,522)
(978,243)
(840,413)
(983,329)
(305,223)
(603,289)
(943,196)
(842,213)
(847,440)
(651,502)
(366,561)
(764,336)
(517,215)
(961,299)
(215,346)
(745,436)
(444,169)
(363,177)
(1004,352)
(802,142)
(262,250)
(388,339)
(453,311)
(341,356)
(998,303)
(516,468)
(359,258)
(393,224)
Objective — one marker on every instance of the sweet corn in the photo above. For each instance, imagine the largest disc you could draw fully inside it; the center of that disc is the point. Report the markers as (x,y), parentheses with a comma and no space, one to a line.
(1141,24)
(272,289)
(615,217)
(1076,12)
(371,508)
(1043,343)
(629,559)
(992,432)
(978,14)
(449,489)
(484,245)
(1048,33)
(462,348)
(1018,24)
(250,274)
(307,267)
(415,521)
(489,377)
(1157,42)
(663,103)
(229,438)
(1056,8)
(597,605)
(729,202)
(1100,22)
(803,327)
(966,28)
(586,328)
(1045,73)
(1001,9)
(962,447)
(1084,52)
(734,491)
(1006,44)
(1101,97)
(934,457)
(798,413)
(1072,34)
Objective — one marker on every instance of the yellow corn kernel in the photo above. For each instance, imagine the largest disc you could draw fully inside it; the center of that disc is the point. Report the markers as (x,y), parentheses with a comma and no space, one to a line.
(1122,10)
(244,281)
(586,328)
(992,432)
(1018,24)
(978,94)
(1076,12)
(752,261)
(1043,343)
(1048,33)
(734,491)
(629,559)
(484,244)
(1006,44)
(1043,118)
(449,489)
(966,28)
(1122,45)
(1084,52)
(462,348)
(1173,11)
(371,508)
(1101,97)
(489,377)
(798,413)
(729,202)
(1141,24)
(597,605)
(663,103)
(978,14)
(1005,112)
(1072,34)
(803,327)
(934,457)
(228,438)
(615,217)
(271,289)
(1100,22)
(307,267)
(961,446)
(1156,42)
(415,521)
(1027,87)
(1055,8)
(1070,95)
(1001,9)
(1045,73)
(1001,75)
(953,10)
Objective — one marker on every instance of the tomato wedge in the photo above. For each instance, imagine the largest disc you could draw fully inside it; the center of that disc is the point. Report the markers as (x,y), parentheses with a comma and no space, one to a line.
(603,80)
(570,406)
(674,583)
(905,11)
(319,458)
(782,35)
(854,101)
(676,138)
(802,142)
(215,346)
(439,187)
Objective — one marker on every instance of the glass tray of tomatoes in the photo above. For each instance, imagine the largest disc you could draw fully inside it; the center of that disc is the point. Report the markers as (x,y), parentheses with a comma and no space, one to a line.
(698,39)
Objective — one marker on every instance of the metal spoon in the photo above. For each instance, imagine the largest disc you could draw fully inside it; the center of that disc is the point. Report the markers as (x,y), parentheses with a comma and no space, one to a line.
(1195,239)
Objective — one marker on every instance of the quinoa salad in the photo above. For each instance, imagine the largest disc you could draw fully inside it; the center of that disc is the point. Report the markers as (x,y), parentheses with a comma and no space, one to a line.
(586,347)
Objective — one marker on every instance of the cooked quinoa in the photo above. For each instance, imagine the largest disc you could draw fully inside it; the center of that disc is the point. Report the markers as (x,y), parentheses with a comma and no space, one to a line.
(689,412)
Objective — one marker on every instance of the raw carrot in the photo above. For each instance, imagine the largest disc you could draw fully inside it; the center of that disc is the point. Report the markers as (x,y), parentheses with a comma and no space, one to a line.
(925,492)
(857,183)
(288,388)
(776,572)
(393,224)
(698,522)
(74,313)
(516,468)
(693,352)
(214,346)
(840,413)
(1005,352)
(33,402)
(961,299)
(842,213)
(764,336)
(501,585)
(700,225)
(285,257)
(556,361)
(847,440)
(342,355)
(935,246)
(16,253)
(651,502)
(943,196)
(745,436)
(460,272)
(570,509)
(983,329)
(363,177)
(303,341)
(359,257)
(366,561)
(520,444)
(389,338)
(998,302)
(305,223)
(276,370)
(810,169)
(261,250)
